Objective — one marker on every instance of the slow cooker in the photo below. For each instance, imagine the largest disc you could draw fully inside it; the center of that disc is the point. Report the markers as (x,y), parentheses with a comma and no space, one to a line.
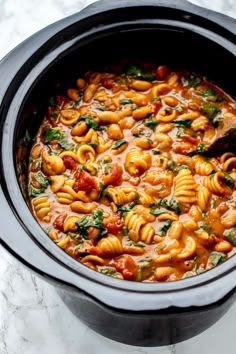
(174,33)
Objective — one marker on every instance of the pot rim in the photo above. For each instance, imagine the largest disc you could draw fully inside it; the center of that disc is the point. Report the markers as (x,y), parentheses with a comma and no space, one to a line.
(175,293)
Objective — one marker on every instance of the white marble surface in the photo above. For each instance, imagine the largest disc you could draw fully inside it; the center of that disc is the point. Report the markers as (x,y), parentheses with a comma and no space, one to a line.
(33,320)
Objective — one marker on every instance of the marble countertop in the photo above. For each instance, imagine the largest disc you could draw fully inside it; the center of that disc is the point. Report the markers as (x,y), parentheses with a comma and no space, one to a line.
(33,320)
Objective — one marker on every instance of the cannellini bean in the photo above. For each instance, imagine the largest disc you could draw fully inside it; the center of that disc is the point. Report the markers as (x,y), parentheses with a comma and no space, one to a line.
(114,132)
(89,92)
(229,218)
(141,85)
(170,101)
(109,117)
(223,246)
(142,112)
(163,272)
(36,151)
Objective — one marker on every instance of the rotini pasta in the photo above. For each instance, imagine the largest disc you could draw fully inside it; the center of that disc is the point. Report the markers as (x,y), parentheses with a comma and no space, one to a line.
(118,174)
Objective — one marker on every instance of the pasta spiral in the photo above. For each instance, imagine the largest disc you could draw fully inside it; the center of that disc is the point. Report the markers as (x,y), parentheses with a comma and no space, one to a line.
(42,208)
(185,187)
(137,162)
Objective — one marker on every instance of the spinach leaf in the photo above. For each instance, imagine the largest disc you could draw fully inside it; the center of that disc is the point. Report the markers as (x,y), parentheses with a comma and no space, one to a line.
(216,258)
(166,227)
(118,144)
(151,123)
(184,123)
(94,220)
(126,101)
(156,152)
(230,234)
(33,192)
(141,269)
(52,134)
(91,123)
(212,112)
(126,208)
(64,143)
(134,70)
(201,148)
(108,271)
(42,180)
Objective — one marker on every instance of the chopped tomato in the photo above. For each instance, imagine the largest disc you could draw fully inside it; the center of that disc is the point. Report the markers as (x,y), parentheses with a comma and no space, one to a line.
(84,182)
(191,139)
(183,147)
(95,251)
(127,266)
(114,178)
(59,222)
(69,162)
(156,105)
(107,83)
(162,72)
(114,224)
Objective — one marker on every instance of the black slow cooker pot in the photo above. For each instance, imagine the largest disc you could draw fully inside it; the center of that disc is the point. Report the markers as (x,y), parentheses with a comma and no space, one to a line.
(171,32)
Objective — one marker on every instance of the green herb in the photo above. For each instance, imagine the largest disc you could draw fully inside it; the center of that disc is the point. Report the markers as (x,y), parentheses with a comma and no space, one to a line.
(126,101)
(42,180)
(201,148)
(211,95)
(192,81)
(148,76)
(108,271)
(64,143)
(134,107)
(73,235)
(136,244)
(52,102)
(166,227)
(134,71)
(157,212)
(52,134)
(216,258)
(230,234)
(156,152)
(91,123)
(33,192)
(141,269)
(94,144)
(184,123)
(137,72)
(171,165)
(27,138)
(212,112)
(151,123)
(125,231)
(118,144)
(95,220)
(205,226)
(157,98)
(229,181)
(146,259)
(126,208)
(192,153)
(164,203)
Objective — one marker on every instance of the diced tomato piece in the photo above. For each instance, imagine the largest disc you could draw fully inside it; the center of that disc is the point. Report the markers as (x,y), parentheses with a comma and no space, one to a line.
(114,178)
(162,72)
(84,182)
(191,139)
(183,147)
(107,83)
(114,224)
(59,222)
(127,266)
(156,105)
(69,162)
(95,251)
